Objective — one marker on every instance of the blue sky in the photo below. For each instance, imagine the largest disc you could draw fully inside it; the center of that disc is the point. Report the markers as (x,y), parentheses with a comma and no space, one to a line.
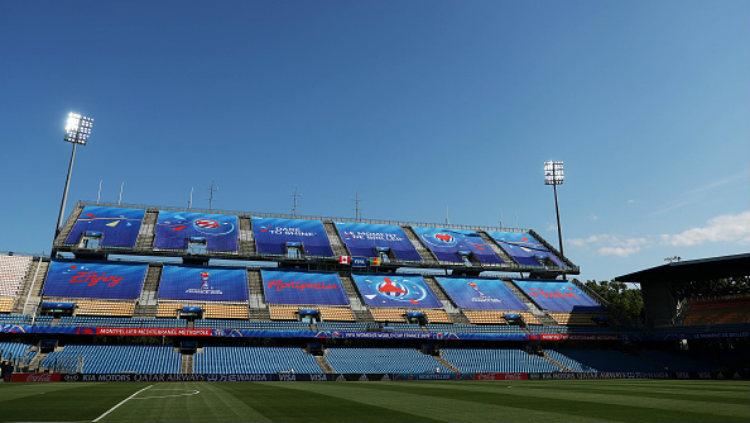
(415,105)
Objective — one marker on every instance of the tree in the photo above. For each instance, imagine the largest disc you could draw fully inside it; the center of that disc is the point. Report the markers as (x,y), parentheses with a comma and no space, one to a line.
(624,304)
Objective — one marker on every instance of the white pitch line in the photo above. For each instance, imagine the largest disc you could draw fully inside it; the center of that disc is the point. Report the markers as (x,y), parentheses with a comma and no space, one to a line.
(119,404)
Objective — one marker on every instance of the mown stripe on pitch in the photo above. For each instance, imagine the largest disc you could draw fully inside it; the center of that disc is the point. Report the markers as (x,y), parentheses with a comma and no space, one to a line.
(657,393)
(593,408)
(645,402)
(451,410)
(287,406)
(694,385)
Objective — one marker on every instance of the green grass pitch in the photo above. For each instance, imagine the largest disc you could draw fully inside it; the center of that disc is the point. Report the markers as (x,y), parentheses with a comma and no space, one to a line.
(388,402)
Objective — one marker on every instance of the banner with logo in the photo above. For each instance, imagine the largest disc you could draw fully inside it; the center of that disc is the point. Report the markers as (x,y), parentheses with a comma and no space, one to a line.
(154,331)
(559,296)
(272,236)
(173,229)
(203,284)
(525,249)
(363,239)
(303,288)
(447,243)
(119,227)
(481,294)
(396,291)
(75,279)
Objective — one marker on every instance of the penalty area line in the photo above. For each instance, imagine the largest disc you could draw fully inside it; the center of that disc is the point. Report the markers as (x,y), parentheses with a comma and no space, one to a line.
(119,404)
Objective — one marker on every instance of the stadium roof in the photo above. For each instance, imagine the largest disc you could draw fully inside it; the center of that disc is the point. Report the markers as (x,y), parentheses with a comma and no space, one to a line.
(693,270)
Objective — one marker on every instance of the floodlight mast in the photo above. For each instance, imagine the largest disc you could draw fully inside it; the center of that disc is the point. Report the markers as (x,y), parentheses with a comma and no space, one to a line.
(77,131)
(554,175)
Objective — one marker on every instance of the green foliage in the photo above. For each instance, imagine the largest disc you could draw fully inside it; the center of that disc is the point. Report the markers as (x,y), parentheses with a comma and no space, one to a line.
(624,303)
(714,288)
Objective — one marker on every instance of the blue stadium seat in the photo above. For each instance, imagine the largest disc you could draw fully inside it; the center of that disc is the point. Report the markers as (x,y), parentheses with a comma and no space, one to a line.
(471,360)
(107,359)
(382,360)
(254,360)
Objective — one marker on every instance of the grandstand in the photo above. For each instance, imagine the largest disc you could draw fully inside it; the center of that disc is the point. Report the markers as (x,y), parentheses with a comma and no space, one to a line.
(272,294)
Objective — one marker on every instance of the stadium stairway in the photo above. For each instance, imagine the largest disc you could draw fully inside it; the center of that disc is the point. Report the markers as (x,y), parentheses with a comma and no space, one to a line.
(145,238)
(453,312)
(495,248)
(32,288)
(360,311)
(552,360)
(427,256)
(247,241)
(335,240)
(324,364)
(68,226)
(186,364)
(147,305)
(540,314)
(446,363)
(258,309)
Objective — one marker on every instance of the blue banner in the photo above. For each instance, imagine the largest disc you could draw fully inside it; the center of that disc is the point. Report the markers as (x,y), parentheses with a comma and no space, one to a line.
(447,243)
(362,239)
(173,229)
(481,294)
(203,284)
(119,227)
(303,288)
(558,296)
(94,280)
(525,249)
(396,291)
(272,236)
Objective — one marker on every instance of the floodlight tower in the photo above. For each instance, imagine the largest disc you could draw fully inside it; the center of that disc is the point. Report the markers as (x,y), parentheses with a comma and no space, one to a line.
(555,175)
(77,131)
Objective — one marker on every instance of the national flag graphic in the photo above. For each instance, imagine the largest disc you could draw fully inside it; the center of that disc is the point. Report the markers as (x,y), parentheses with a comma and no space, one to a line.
(345,260)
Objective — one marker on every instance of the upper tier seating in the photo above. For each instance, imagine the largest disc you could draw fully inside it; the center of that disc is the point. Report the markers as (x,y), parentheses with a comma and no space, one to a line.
(248,360)
(247,324)
(381,360)
(210,310)
(118,358)
(135,322)
(6,304)
(104,308)
(574,319)
(607,360)
(717,311)
(470,360)
(397,314)
(289,312)
(13,270)
(492,317)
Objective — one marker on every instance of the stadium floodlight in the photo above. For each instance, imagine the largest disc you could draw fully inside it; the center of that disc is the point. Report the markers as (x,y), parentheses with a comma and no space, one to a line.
(554,174)
(77,132)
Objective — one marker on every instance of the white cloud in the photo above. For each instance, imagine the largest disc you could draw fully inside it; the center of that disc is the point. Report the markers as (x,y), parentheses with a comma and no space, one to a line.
(732,228)
(727,228)
(612,245)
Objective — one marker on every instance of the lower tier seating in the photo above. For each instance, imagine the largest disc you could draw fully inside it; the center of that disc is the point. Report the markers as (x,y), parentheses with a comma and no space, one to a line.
(382,360)
(226,359)
(10,351)
(210,310)
(604,360)
(107,359)
(471,360)
(289,312)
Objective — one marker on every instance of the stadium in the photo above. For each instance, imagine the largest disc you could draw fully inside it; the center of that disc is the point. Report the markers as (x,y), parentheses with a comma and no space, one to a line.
(170,300)
(378,211)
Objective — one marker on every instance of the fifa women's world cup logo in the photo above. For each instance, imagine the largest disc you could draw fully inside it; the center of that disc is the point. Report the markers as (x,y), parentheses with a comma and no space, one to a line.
(204,281)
